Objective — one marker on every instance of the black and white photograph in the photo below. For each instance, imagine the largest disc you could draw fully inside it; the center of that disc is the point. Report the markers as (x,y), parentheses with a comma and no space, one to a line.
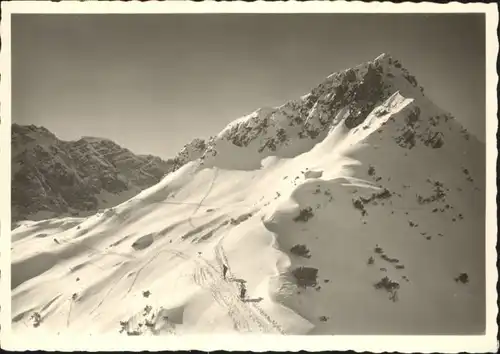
(306,175)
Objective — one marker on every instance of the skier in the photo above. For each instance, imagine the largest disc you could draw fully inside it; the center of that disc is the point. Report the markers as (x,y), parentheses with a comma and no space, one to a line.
(224,271)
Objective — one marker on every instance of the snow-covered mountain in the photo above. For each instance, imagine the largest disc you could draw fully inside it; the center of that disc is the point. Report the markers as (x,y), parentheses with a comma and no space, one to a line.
(51,177)
(357,209)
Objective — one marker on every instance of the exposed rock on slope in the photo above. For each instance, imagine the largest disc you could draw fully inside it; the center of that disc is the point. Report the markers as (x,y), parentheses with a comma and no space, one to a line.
(188,153)
(51,177)
(357,209)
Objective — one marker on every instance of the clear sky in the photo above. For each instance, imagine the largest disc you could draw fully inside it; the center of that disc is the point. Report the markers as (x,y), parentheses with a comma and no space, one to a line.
(154,82)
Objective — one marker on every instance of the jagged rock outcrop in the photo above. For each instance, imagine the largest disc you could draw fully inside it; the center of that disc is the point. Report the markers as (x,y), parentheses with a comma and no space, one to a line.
(51,177)
(371,195)
(189,152)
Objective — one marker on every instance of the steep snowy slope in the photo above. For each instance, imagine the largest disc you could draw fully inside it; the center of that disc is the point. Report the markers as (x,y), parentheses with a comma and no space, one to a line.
(51,177)
(358,209)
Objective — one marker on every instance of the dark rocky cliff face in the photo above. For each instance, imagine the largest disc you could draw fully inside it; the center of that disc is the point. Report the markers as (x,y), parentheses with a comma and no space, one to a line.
(58,177)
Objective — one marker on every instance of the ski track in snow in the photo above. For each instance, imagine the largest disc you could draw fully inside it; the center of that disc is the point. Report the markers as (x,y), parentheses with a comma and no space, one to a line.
(204,197)
(225,293)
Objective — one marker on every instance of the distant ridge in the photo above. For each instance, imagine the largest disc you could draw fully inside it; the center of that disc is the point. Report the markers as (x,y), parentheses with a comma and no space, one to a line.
(51,177)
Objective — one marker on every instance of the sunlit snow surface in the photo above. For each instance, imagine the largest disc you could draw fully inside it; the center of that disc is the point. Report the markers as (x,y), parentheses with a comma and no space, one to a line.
(153,264)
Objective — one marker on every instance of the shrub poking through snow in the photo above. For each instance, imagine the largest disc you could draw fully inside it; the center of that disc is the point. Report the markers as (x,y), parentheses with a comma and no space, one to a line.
(462,278)
(407,139)
(412,80)
(37,319)
(281,135)
(385,194)
(241,218)
(313,174)
(434,140)
(150,324)
(124,326)
(306,276)
(389,259)
(323,318)
(413,117)
(147,310)
(300,250)
(304,215)
(371,260)
(389,285)
(434,120)
(371,171)
(358,204)
(439,195)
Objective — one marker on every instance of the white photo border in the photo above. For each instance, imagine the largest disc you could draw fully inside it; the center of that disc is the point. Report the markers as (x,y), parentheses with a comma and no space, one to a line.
(258,343)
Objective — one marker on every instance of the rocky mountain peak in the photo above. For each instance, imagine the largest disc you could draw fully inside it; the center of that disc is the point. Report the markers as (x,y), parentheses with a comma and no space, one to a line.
(296,126)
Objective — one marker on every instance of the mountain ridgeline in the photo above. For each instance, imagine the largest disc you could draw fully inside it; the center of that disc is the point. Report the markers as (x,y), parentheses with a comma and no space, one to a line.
(51,177)
(348,96)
